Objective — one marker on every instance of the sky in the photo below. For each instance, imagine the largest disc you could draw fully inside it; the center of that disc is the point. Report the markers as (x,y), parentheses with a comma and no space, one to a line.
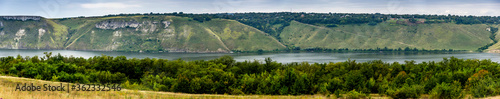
(75,8)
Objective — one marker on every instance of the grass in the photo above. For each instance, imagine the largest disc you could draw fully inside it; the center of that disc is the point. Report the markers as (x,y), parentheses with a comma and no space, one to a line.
(59,33)
(238,36)
(364,36)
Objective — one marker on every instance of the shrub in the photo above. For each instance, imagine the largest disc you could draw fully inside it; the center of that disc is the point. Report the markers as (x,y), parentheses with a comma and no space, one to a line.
(13,71)
(483,88)
(448,91)
(481,84)
(407,91)
(356,95)
(372,23)
(80,78)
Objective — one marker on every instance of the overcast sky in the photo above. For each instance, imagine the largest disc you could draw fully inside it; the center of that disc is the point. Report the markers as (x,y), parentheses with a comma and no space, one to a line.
(73,8)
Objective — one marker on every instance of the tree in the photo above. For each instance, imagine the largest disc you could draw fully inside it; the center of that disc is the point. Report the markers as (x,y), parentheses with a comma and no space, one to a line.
(47,54)
(448,91)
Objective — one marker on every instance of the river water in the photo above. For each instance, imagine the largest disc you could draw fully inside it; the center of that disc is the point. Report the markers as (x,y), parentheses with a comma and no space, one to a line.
(279,57)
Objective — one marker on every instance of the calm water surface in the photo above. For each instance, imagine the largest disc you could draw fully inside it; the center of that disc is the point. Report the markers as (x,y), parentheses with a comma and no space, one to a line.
(279,57)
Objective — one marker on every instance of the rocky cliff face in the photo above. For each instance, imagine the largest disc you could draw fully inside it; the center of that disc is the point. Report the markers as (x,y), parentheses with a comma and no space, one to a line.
(114,24)
(22,18)
(117,24)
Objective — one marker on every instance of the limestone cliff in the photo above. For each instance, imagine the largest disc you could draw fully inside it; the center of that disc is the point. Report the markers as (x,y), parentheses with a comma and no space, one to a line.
(114,24)
(22,18)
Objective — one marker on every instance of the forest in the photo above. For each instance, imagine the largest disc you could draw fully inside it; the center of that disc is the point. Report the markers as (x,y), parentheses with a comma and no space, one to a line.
(449,78)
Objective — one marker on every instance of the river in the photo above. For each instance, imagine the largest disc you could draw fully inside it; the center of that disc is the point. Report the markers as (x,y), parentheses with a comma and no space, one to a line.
(279,57)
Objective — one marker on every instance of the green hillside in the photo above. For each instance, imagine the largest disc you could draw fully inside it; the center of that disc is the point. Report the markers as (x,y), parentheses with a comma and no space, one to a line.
(495,47)
(166,33)
(32,34)
(364,36)
(238,36)
(209,34)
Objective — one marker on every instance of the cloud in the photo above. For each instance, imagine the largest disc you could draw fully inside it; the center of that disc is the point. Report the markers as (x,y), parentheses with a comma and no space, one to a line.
(113,5)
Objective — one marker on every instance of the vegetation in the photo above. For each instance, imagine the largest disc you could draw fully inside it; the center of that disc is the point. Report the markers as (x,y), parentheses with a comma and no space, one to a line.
(364,36)
(181,35)
(274,23)
(449,78)
(252,32)
(31,34)
(493,31)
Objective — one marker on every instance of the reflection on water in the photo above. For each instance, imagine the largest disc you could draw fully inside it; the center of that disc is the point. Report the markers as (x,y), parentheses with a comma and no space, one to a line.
(279,57)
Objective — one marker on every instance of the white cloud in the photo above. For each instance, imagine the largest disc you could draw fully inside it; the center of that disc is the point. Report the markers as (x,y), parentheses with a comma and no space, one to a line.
(108,5)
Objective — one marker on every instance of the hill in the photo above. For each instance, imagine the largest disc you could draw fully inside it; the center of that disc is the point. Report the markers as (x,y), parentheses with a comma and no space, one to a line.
(249,32)
(29,32)
(495,48)
(137,33)
(364,36)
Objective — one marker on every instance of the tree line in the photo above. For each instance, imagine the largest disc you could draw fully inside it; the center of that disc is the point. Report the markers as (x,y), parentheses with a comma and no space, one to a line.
(493,34)
(449,78)
(342,50)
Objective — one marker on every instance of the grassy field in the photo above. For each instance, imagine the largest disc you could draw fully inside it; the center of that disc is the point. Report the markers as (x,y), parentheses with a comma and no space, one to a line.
(238,36)
(364,36)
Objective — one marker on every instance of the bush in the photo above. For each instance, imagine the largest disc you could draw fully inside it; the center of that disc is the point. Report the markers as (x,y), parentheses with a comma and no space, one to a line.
(356,95)
(484,87)
(107,77)
(13,70)
(481,84)
(331,25)
(80,78)
(372,23)
(448,91)
(413,91)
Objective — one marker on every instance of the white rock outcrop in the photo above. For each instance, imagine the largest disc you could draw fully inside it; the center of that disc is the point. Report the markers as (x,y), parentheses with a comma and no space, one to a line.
(1,24)
(41,32)
(22,18)
(19,34)
(166,23)
(111,24)
(117,33)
